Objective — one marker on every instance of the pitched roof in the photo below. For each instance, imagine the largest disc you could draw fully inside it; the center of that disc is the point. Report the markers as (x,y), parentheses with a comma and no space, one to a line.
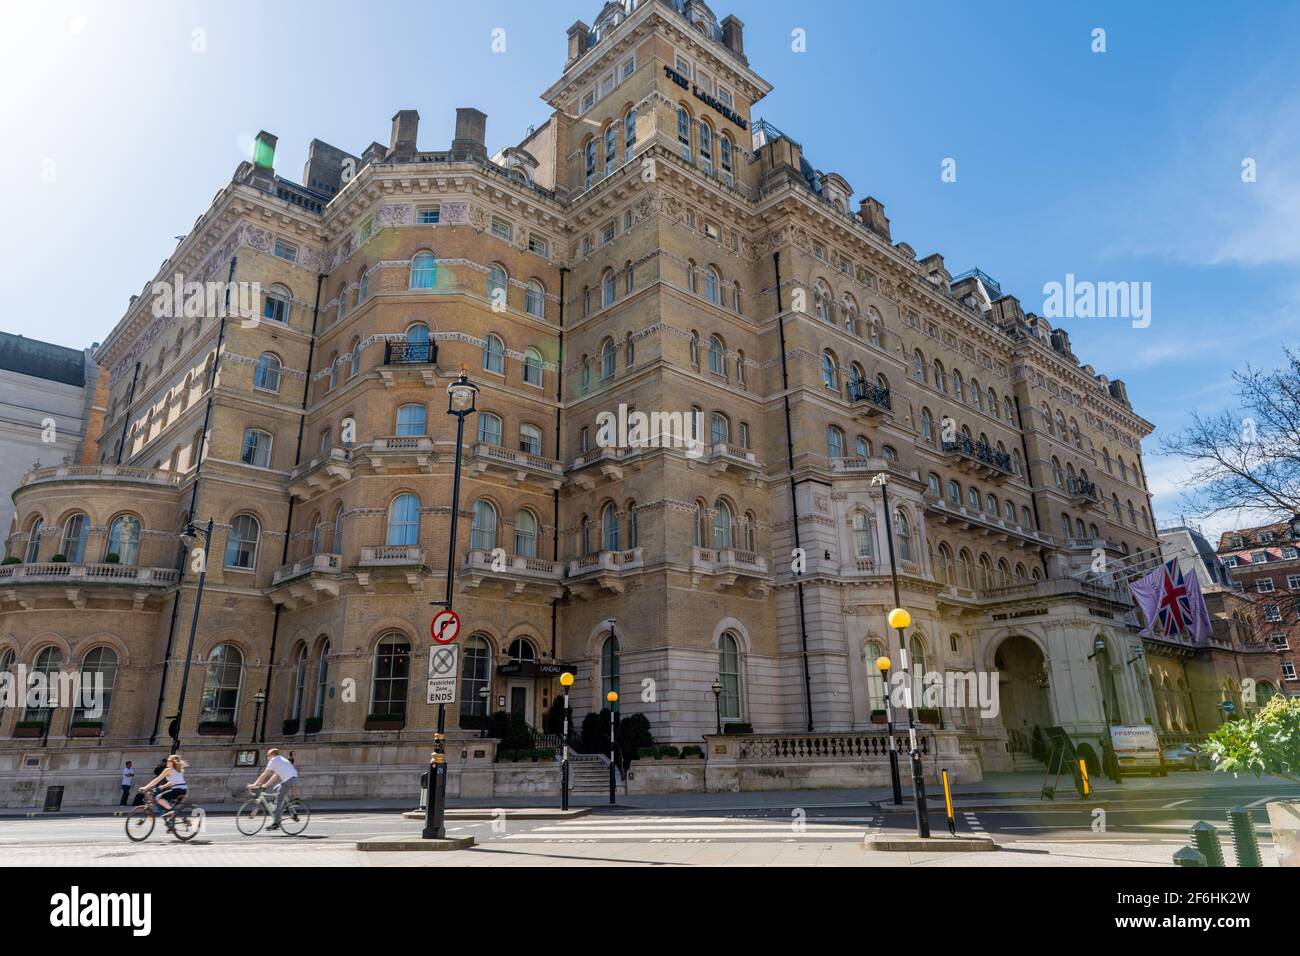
(54,363)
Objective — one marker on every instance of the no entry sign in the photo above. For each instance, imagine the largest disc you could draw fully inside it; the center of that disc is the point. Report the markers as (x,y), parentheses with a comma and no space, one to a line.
(445,626)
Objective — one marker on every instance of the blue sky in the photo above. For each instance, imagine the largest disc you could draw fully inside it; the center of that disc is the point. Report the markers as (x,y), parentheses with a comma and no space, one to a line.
(1117,166)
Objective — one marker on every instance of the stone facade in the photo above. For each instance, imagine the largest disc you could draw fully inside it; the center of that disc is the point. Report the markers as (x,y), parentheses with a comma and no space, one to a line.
(1265,561)
(651,246)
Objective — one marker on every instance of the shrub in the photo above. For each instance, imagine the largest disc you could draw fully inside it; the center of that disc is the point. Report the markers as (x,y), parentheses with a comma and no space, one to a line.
(12,559)
(595,732)
(518,735)
(217,726)
(553,719)
(669,751)
(632,733)
(88,723)
(313,725)
(1265,742)
(59,559)
(498,724)
(386,718)
(112,558)
(737,728)
(290,727)
(692,751)
(645,753)
(29,724)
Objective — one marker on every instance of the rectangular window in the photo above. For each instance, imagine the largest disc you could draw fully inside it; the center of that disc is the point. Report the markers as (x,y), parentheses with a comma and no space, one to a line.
(606,86)
(607,233)
(1288,670)
(427,215)
(819,251)
(1290,554)
(1264,585)
(1272,613)
(286,251)
(1293,582)
(502,229)
(724,96)
(683,66)
(586,245)
(629,67)
(710,230)
(1280,643)
(588,100)
(1258,557)
(538,245)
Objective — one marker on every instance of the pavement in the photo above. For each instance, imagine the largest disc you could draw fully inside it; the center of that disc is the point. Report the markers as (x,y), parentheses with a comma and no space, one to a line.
(1143,828)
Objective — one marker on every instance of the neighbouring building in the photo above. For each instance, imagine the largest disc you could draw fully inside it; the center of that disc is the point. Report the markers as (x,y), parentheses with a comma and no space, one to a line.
(1266,562)
(51,410)
(653,245)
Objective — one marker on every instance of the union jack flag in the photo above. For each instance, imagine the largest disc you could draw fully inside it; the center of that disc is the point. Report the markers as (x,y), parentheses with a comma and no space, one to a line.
(1171,603)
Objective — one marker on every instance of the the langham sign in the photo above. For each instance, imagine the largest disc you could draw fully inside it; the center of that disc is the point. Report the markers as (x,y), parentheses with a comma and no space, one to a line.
(705,98)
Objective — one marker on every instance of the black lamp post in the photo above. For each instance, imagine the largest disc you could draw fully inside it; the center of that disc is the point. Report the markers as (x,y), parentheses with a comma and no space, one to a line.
(900,620)
(461,395)
(883,664)
(612,697)
(484,693)
(259,700)
(717,702)
(566,681)
(188,537)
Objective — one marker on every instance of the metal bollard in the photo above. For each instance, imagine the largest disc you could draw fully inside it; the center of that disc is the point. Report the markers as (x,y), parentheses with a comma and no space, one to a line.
(1245,843)
(1188,857)
(1205,838)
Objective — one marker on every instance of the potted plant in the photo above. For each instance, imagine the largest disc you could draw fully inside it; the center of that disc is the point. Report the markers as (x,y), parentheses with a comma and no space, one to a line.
(693,751)
(29,728)
(59,559)
(737,728)
(928,715)
(290,727)
(86,728)
(112,558)
(879,717)
(12,559)
(217,728)
(1266,742)
(313,725)
(385,721)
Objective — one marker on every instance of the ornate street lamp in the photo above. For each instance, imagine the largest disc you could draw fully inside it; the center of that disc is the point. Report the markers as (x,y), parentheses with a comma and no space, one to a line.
(883,664)
(717,701)
(188,537)
(259,700)
(566,681)
(612,697)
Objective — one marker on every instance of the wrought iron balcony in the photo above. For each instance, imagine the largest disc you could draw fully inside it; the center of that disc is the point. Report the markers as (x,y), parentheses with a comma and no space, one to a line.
(869,398)
(410,353)
(979,457)
(1083,491)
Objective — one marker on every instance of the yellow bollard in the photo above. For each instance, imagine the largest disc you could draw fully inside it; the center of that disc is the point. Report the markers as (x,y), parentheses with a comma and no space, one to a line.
(1083,774)
(947,802)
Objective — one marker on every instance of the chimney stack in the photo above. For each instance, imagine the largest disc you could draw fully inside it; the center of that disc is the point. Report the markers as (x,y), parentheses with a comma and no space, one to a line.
(471,134)
(578,34)
(733,36)
(872,213)
(401,144)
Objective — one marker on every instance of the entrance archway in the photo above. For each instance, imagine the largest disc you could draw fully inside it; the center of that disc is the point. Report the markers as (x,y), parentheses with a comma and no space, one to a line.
(1023,695)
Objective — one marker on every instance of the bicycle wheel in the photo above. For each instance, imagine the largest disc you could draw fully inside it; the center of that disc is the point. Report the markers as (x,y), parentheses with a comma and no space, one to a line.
(139,823)
(250,817)
(294,819)
(185,826)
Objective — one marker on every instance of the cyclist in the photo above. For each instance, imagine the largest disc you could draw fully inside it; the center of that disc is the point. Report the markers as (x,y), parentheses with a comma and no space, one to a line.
(286,774)
(173,787)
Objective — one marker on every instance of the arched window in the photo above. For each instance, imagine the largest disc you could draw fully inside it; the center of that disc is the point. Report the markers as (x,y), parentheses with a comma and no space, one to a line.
(608,288)
(257,448)
(695,349)
(404,520)
(717,355)
(525,534)
(633,534)
(629,135)
(424,271)
(684,132)
(609,538)
(354,357)
(706,147)
(607,358)
(533,367)
(903,534)
(483,529)
(862,536)
(299,684)
(917,666)
(940,376)
(918,366)
(411,420)
(535,299)
(875,680)
(75,531)
(1057,474)
(276,303)
(363,287)
(222,679)
(34,541)
(498,285)
(124,539)
(690,275)
(418,348)
(729,675)
(494,355)
(530,439)
(489,428)
(322,682)
(241,542)
(95,683)
(609,668)
(862,446)
(589,161)
(927,426)
(629,351)
(611,147)
(338,528)
(266,375)
(943,570)
(834,442)
(391,675)
(713,285)
(722,525)
(959,386)
(830,372)
(475,677)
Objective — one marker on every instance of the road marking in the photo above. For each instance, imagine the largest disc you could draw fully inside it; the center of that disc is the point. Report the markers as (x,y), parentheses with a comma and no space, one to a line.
(973,822)
(1261,801)
(1176,803)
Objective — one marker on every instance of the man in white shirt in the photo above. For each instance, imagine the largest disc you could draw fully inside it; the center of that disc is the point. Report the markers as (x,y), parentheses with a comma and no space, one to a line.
(285,773)
(128,776)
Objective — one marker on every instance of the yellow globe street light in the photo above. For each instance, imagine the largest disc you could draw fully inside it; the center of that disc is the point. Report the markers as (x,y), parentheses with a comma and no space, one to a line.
(899,618)
(883,664)
(612,697)
(566,679)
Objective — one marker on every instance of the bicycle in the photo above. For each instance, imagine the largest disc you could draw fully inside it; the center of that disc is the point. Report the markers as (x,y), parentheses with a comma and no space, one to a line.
(184,826)
(253,813)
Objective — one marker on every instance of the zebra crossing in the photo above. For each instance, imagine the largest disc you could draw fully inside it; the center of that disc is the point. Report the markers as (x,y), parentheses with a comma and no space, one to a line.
(699,829)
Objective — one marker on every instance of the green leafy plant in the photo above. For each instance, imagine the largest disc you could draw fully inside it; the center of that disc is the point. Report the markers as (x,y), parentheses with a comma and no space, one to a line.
(518,735)
(737,728)
(692,751)
(290,727)
(59,559)
(12,559)
(1264,742)
(112,558)
(313,725)
(88,723)
(385,718)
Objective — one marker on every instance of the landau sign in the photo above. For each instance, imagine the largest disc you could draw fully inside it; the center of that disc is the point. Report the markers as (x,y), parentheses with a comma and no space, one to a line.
(700,95)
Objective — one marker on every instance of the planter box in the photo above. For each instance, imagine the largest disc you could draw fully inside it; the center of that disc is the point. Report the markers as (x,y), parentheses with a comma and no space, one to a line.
(1284,819)
(85,732)
(221,730)
(28,732)
(384,724)
(880,718)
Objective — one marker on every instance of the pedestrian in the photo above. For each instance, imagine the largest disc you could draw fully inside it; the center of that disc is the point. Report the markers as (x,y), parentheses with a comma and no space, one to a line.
(128,776)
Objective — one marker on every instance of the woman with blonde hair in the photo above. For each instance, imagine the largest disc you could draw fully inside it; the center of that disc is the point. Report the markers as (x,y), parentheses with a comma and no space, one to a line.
(173,787)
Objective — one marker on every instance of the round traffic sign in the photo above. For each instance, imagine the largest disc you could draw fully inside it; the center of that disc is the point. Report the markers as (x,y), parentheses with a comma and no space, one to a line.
(445,626)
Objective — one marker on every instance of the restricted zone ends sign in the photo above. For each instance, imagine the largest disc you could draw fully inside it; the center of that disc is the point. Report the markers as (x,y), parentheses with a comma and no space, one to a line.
(445,626)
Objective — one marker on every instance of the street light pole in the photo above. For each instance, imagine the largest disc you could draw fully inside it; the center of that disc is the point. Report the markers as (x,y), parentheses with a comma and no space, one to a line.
(883,664)
(566,681)
(258,700)
(900,620)
(188,536)
(612,697)
(717,701)
(460,403)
